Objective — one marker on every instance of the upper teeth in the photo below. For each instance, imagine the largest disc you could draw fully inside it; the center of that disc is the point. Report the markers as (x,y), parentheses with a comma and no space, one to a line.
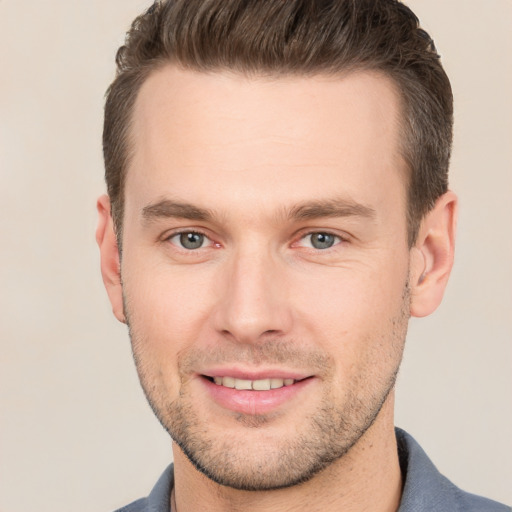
(258,385)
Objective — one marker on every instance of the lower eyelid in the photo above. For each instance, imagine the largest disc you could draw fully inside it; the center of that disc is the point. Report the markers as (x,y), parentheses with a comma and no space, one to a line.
(208,242)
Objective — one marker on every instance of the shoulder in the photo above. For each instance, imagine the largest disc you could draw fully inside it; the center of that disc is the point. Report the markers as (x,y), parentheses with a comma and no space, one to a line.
(427,490)
(136,506)
(158,499)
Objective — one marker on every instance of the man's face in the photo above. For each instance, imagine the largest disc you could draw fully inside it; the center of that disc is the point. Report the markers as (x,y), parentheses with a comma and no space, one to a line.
(265,246)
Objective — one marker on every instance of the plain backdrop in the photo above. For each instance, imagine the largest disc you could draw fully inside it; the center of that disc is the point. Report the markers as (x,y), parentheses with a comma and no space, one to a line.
(75,431)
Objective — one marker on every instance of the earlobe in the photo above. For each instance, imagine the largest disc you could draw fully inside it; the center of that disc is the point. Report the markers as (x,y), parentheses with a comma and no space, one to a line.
(432,256)
(109,255)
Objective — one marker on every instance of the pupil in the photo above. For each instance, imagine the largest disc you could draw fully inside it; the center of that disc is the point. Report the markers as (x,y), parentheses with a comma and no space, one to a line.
(191,240)
(322,240)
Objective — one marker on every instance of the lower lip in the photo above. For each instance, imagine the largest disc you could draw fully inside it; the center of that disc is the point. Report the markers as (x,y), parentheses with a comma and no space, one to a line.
(254,402)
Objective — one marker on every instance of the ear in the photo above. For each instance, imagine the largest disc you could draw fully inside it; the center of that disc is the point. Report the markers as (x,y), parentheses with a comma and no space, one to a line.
(432,256)
(109,255)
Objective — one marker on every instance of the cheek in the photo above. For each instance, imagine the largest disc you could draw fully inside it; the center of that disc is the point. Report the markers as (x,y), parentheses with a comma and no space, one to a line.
(352,297)
(167,307)
(357,315)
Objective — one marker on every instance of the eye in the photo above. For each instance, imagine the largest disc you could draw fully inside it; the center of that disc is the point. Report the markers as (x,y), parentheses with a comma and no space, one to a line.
(320,240)
(190,240)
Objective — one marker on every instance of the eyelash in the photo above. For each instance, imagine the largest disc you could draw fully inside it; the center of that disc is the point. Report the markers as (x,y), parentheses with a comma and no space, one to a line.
(338,240)
(190,232)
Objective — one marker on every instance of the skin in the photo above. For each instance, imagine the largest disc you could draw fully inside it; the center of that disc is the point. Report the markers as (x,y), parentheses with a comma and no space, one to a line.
(256,166)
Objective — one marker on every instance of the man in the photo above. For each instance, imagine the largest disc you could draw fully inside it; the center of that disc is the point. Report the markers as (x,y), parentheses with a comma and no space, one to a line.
(277,209)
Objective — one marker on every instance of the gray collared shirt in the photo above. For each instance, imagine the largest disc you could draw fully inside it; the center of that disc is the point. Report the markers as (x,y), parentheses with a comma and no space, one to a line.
(425,489)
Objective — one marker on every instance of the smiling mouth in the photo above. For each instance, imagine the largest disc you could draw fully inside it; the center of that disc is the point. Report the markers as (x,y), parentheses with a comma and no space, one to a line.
(252,385)
(263,394)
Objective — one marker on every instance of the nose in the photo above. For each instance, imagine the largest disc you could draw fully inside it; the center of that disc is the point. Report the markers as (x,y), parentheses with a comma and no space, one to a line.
(253,299)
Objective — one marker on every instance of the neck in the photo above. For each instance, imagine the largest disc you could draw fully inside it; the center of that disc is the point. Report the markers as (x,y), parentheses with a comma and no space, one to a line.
(367,478)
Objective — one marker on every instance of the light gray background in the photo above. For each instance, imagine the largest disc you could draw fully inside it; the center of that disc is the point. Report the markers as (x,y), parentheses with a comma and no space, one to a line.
(75,431)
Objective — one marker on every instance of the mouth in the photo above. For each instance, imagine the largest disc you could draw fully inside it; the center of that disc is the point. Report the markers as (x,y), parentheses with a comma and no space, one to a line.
(258,395)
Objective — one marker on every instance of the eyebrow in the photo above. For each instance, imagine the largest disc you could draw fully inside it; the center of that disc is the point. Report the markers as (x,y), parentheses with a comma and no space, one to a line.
(330,208)
(309,210)
(172,209)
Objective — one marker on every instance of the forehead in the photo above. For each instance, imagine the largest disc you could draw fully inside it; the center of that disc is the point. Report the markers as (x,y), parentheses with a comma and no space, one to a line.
(223,136)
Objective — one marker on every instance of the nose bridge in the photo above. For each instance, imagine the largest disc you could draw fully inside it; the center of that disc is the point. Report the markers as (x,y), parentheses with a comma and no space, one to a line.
(253,300)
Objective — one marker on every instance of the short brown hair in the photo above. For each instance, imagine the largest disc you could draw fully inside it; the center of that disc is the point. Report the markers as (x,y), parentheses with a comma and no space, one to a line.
(292,37)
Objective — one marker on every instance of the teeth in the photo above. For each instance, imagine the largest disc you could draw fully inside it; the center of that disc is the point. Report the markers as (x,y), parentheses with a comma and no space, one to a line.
(243,384)
(261,385)
(276,383)
(228,382)
(257,385)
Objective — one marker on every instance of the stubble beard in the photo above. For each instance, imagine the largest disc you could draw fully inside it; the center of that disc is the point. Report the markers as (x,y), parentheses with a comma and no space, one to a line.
(326,436)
